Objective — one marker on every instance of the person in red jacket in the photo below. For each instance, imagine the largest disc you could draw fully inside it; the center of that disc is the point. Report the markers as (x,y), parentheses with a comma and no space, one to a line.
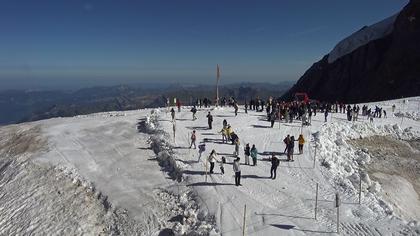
(178,104)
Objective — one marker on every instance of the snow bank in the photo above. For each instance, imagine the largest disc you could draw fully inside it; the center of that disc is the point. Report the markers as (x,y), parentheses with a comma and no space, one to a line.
(362,37)
(414,115)
(159,144)
(186,220)
(192,222)
(345,165)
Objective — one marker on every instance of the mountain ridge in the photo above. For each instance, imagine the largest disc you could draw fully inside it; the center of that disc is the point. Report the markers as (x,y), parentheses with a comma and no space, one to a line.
(382,69)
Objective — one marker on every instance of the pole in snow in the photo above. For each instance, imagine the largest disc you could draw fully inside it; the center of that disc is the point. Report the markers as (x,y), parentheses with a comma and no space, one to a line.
(217,85)
(244,223)
(206,169)
(315,155)
(337,205)
(360,189)
(402,113)
(174,129)
(316,200)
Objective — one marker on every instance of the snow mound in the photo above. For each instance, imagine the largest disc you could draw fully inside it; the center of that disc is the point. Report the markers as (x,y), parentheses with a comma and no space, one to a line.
(158,141)
(191,221)
(186,219)
(414,115)
(362,37)
(344,165)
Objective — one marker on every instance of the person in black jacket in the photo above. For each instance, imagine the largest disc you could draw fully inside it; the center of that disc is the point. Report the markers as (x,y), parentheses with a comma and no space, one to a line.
(272,118)
(290,148)
(194,112)
(210,120)
(274,164)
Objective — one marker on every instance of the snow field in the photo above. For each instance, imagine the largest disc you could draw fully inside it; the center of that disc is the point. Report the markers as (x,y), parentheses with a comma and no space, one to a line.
(286,205)
(124,173)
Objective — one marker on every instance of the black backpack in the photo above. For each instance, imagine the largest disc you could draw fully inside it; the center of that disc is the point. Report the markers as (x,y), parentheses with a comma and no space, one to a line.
(223,160)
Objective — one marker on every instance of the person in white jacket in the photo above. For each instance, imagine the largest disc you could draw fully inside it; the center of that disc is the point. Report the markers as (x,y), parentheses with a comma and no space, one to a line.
(212,159)
(237,170)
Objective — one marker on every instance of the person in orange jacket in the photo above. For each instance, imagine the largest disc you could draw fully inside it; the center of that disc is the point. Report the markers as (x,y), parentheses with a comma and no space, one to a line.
(301,141)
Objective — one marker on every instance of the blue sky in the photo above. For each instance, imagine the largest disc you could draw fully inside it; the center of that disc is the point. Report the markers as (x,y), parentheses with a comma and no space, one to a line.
(63,43)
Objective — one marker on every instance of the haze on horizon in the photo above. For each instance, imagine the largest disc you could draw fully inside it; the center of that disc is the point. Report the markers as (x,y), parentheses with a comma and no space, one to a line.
(70,44)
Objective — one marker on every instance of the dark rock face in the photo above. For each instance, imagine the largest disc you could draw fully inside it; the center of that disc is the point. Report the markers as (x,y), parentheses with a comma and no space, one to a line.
(383,69)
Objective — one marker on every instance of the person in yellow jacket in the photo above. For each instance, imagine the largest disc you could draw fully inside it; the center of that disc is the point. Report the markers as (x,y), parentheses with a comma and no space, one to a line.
(229,132)
(301,141)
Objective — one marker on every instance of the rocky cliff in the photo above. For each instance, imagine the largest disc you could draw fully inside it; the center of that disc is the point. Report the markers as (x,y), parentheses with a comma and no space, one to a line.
(378,62)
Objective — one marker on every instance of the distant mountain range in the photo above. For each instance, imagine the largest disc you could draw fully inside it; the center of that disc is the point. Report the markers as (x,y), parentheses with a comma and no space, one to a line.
(21,106)
(379,62)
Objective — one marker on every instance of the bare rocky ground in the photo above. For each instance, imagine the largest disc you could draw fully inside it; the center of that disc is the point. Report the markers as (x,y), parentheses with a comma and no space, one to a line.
(395,164)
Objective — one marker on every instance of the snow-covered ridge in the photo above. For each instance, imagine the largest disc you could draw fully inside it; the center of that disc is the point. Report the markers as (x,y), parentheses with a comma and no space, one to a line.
(362,37)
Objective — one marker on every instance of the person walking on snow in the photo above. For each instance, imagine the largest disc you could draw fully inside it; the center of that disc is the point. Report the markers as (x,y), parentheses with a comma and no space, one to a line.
(247,151)
(236,108)
(210,120)
(229,132)
(222,168)
(301,141)
(212,159)
(286,141)
(194,112)
(272,118)
(178,104)
(237,170)
(193,139)
(326,114)
(224,134)
(237,145)
(254,153)
(173,114)
(290,148)
(201,149)
(274,164)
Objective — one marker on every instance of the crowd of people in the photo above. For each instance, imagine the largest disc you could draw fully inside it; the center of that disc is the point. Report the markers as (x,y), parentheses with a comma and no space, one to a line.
(275,111)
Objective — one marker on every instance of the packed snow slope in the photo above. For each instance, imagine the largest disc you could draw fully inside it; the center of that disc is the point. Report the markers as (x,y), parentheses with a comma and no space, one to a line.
(123,173)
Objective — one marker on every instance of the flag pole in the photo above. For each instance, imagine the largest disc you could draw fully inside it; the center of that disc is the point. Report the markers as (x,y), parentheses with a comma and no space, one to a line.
(217,85)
